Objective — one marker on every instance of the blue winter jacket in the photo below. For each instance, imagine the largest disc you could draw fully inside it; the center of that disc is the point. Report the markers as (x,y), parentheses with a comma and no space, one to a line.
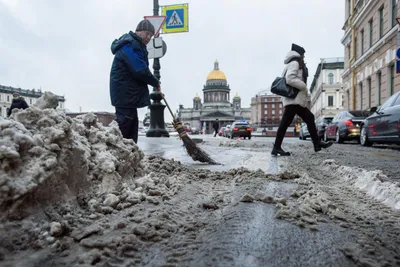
(130,73)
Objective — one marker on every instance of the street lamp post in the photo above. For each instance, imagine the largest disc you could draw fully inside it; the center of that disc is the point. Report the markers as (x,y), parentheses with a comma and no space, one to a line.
(157,123)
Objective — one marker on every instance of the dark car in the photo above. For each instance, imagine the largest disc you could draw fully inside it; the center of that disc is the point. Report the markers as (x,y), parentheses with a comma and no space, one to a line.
(383,126)
(345,126)
(240,129)
(321,125)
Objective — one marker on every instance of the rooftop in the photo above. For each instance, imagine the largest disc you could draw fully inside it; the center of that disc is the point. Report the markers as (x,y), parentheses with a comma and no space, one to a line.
(25,92)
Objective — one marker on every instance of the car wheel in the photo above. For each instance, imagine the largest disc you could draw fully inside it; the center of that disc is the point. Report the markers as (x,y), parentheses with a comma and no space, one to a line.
(364,137)
(249,137)
(338,138)
(231,136)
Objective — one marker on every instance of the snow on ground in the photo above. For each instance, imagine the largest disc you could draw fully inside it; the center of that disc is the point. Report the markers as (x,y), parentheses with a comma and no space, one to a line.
(68,186)
(75,193)
(374,183)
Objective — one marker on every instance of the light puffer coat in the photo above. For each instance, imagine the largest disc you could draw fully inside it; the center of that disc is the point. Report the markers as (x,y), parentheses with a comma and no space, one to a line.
(294,77)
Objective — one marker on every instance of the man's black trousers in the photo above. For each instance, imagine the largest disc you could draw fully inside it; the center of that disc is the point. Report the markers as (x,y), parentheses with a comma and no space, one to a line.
(128,122)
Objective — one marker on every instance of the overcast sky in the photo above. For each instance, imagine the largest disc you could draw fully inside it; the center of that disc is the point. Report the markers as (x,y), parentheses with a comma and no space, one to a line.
(63,46)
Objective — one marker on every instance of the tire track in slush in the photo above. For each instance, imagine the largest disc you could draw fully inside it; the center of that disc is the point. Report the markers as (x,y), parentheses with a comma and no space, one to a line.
(186,210)
(247,234)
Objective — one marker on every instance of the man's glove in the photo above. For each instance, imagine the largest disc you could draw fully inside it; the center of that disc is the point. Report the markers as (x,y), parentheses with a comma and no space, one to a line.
(158,89)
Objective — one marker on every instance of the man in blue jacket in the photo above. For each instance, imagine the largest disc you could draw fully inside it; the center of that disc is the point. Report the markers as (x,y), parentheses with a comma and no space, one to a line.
(130,75)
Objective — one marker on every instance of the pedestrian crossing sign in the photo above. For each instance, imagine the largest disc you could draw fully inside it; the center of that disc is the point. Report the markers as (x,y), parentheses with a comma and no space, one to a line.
(177,18)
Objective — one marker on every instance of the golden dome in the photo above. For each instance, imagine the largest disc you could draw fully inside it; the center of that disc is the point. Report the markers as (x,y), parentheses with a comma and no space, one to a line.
(216,74)
(197,96)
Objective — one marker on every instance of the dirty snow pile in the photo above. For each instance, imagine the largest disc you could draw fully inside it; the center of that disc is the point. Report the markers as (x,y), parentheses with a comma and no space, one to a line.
(375,183)
(45,155)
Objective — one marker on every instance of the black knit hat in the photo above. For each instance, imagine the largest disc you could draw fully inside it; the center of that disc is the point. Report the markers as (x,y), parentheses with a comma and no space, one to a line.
(145,25)
(298,49)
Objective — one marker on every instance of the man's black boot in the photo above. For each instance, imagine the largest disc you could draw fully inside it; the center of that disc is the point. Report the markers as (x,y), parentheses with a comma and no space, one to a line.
(322,144)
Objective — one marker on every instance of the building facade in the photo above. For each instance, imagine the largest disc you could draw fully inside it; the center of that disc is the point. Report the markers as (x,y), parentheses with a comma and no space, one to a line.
(30,96)
(369,76)
(327,94)
(216,104)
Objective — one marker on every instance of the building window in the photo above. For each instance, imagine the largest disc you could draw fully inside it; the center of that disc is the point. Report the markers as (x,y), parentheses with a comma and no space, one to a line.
(30,101)
(342,100)
(8,98)
(266,112)
(330,78)
(362,42)
(330,101)
(391,76)
(273,112)
(369,92)
(361,95)
(273,105)
(394,12)
(370,32)
(355,47)
(381,22)
(348,52)
(348,9)
(379,87)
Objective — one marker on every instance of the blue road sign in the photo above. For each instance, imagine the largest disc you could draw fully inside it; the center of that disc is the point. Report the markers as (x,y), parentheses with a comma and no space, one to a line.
(175,19)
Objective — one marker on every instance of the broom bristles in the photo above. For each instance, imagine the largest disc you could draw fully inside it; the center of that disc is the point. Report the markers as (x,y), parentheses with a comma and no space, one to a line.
(196,153)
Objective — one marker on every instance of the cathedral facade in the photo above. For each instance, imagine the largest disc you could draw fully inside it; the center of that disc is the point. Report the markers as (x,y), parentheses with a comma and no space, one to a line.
(216,105)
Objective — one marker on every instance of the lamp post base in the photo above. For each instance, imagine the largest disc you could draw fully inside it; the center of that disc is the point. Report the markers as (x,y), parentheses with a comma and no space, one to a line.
(157,123)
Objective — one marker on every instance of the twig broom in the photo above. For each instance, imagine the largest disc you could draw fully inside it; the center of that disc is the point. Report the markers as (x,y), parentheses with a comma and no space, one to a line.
(191,148)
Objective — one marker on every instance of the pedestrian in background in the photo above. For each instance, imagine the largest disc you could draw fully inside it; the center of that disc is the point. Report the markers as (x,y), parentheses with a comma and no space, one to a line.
(215,127)
(17,102)
(296,76)
(130,76)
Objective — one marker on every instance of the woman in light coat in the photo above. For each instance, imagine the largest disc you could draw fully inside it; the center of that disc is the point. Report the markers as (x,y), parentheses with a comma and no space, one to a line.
(296,76)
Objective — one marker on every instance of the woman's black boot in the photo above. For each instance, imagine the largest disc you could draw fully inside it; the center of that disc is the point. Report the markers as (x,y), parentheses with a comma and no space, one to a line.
(280,151)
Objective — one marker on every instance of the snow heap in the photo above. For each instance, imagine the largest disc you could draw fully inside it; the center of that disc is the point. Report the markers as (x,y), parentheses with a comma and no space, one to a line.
(375,183)
(45,155)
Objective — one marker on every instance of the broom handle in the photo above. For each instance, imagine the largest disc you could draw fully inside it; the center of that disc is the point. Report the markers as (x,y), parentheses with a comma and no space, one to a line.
(166,103)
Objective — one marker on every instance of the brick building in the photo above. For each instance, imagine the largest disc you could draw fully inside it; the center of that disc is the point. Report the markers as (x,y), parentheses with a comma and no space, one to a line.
(267,111)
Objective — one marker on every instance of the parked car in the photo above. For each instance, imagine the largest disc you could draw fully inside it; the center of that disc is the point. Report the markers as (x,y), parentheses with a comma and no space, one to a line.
(303,132)
(321,124)
(221,131)
(240,129)
(383,126)
(345,126)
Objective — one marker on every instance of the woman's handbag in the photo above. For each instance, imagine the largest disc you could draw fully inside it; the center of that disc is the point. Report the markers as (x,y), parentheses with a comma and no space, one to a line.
(279,87)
